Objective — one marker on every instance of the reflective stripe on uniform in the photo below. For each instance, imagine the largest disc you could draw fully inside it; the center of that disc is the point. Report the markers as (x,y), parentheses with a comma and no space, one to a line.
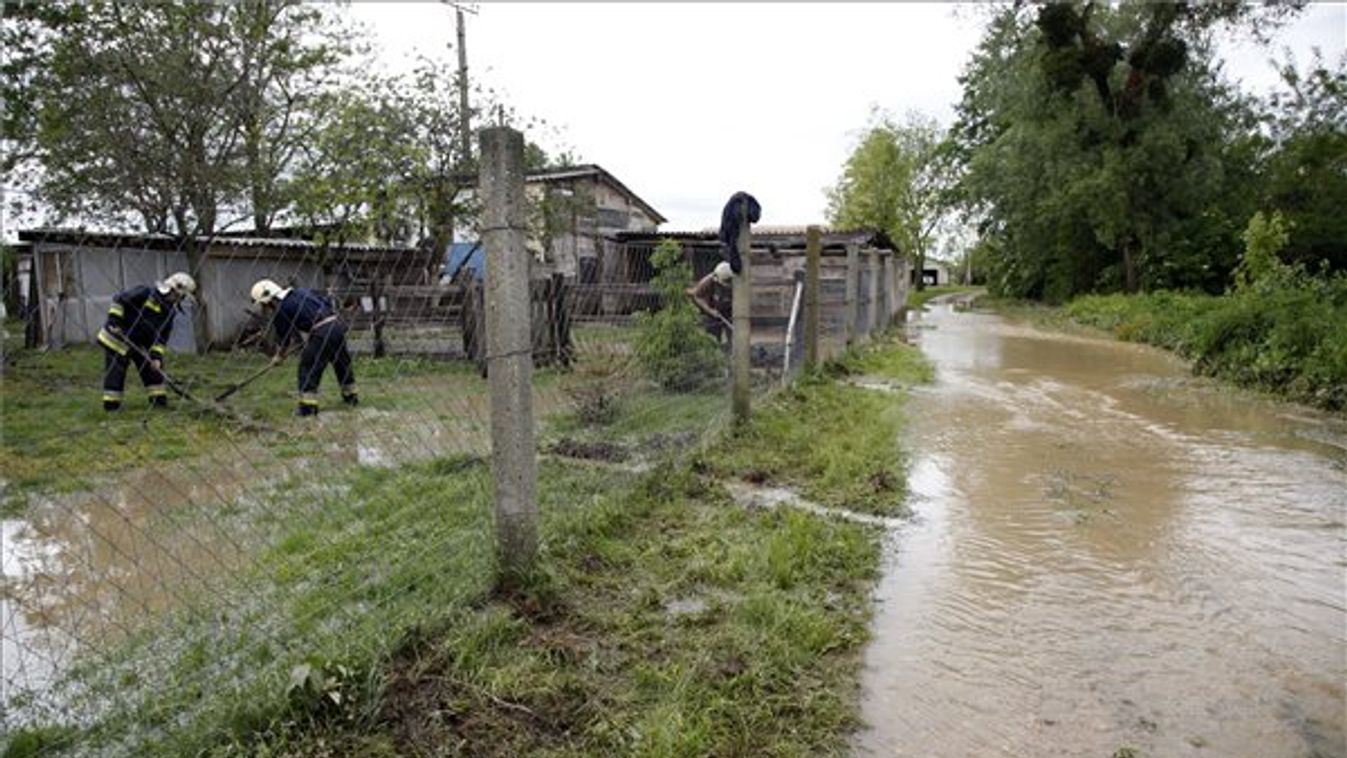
(308,398)
(153,306)
(106,339)
(157,349)
(156,390)
(116,310)
(112,397)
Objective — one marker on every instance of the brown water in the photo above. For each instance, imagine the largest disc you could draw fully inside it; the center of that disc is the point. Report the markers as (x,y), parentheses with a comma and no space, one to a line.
(1108,554)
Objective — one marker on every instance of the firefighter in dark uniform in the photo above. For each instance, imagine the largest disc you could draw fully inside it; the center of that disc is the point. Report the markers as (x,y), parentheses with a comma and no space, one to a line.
(714,298)
(137,331)
(305,314)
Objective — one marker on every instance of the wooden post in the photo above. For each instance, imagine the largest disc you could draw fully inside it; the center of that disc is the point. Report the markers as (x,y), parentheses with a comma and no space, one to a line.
(872,324)
(509,351)
(375,291)
(741,342)
(852,299)
(813,248)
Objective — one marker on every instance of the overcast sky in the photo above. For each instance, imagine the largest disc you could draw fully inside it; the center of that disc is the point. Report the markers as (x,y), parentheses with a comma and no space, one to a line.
(688,102)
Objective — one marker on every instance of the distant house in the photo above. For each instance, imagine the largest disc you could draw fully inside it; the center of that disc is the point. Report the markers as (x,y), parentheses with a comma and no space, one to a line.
(576,210)
(933,272)
(77,272)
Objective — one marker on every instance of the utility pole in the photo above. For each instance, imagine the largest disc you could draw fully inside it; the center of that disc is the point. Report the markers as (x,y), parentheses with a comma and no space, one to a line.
(465,128)
(464,117)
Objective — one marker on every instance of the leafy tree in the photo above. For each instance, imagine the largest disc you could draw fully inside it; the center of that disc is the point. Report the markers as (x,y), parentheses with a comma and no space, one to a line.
(894,181)
(180,115)
(1306,162)
(1100,144)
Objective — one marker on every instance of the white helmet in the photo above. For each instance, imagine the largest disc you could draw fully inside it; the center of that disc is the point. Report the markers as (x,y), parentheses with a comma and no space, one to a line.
(723,272)
(179,285)
(266,291)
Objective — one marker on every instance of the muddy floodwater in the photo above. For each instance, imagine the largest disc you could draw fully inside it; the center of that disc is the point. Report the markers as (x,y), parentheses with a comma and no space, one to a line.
(1107,557)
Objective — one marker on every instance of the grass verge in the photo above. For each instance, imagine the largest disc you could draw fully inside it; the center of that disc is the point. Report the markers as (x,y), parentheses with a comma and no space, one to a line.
(663,619)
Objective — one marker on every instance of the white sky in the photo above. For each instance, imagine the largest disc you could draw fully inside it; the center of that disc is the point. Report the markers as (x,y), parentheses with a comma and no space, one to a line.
(687,103)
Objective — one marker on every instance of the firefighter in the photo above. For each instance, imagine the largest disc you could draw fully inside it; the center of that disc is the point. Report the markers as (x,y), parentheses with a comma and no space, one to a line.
(713,297)
(304,314)
(137,330)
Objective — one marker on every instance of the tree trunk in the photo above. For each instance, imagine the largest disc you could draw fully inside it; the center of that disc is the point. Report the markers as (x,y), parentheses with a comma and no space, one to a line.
(1129,268)
(200,321)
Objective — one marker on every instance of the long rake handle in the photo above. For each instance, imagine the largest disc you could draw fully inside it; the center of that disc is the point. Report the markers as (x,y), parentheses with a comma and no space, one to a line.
(240,385)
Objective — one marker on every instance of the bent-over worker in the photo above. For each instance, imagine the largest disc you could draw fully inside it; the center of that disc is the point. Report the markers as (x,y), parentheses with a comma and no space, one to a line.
(137,330)
(304,314)
(715,299)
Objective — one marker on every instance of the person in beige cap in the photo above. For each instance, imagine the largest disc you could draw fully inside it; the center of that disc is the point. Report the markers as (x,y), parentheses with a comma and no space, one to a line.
(714,298)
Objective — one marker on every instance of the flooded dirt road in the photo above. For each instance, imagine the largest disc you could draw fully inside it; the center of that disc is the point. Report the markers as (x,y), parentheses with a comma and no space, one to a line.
(1106,558)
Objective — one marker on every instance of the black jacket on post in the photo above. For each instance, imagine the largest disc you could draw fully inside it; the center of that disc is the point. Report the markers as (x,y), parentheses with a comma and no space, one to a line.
(730,218)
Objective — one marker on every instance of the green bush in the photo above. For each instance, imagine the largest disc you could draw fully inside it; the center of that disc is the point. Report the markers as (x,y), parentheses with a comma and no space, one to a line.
(671,347)
(1280,330)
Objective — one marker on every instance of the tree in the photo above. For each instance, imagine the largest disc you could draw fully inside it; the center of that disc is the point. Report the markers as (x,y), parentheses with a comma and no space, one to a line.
(1100,143)
(894,181)
(1305,164)
(180,115)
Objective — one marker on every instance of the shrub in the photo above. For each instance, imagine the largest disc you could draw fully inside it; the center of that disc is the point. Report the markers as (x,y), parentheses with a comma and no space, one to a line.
(671,346)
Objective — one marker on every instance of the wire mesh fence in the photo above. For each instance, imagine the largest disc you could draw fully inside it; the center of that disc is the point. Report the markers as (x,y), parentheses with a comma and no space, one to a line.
(171,570)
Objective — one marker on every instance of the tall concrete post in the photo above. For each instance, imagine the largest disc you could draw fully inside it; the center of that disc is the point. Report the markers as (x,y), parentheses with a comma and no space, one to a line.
(872,323)
(509,348)
(813,249)
(741,344)
(853,286)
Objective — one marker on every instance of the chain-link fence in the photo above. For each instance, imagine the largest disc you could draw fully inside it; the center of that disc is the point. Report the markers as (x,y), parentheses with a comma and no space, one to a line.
(171,566)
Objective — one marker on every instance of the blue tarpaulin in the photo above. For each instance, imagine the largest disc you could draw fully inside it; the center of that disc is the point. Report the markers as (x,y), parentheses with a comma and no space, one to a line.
(465,255)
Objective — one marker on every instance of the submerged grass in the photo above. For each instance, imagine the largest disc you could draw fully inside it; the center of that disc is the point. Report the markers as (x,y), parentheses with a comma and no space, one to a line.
(663,618)
(838,443)
(58,440)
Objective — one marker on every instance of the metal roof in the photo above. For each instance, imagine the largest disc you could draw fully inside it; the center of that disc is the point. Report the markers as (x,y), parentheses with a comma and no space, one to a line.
(210,243)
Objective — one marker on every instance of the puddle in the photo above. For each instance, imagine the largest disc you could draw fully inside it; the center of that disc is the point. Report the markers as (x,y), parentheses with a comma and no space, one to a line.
(756,496)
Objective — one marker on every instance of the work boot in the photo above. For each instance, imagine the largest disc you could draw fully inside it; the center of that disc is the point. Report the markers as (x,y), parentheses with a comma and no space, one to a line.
(112,406)
(159,401)
(351,399)
(306,410)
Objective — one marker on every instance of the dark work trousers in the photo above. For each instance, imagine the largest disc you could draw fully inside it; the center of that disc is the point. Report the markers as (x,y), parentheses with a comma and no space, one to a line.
(114,378)
(326,344)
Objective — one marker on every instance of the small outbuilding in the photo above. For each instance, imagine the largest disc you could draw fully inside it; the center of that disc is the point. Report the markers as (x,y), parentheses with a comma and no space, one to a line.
(77,272)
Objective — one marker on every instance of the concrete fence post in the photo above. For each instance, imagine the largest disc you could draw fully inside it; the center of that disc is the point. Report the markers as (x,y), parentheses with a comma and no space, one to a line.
(872,323)
(813,249)
(852,298)
(742,340)
(509,350)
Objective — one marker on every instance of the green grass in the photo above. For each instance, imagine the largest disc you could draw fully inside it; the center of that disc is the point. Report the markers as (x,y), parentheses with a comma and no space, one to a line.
(57,439)
(663,618)
(837,443)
